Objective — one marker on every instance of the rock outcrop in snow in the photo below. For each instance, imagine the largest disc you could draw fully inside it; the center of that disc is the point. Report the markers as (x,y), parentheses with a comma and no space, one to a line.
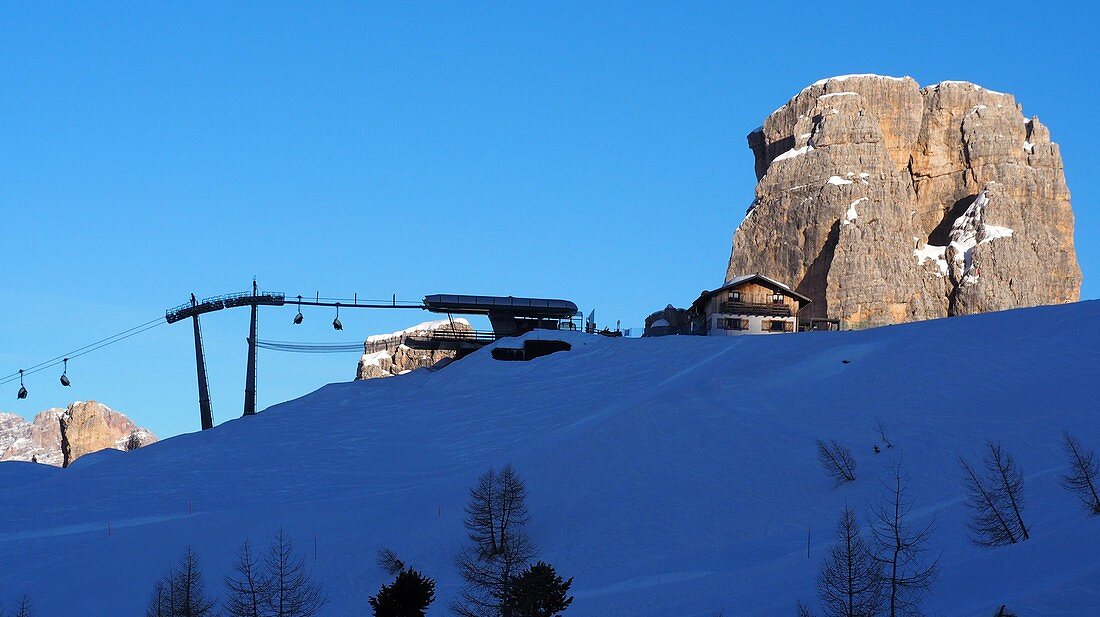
(84,427)
(886,202)
(385,355)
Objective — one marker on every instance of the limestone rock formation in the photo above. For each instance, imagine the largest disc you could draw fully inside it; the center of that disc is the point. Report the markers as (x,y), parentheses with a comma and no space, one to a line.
(385,355)
(85,427)
(886,202)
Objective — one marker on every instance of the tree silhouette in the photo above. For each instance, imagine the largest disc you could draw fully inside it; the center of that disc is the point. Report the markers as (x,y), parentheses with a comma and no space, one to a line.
(409,595)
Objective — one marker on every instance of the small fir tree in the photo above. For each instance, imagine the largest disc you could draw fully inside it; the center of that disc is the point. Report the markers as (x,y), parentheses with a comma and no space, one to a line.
(409,595)
(538,591)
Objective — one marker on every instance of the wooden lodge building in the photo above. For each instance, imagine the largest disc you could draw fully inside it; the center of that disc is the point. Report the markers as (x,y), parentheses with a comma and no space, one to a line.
(749,304)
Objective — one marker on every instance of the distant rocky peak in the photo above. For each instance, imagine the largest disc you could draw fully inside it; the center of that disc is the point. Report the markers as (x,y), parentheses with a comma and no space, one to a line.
(59,436)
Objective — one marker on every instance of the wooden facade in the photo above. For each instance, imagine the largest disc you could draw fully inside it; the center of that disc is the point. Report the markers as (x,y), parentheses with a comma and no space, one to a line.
(753,304)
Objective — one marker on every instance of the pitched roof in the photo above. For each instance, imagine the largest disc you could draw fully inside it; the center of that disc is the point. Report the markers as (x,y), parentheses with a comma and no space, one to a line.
(757,278)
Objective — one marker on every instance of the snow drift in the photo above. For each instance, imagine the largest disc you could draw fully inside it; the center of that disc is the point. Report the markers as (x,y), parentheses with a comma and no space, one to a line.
(669,476)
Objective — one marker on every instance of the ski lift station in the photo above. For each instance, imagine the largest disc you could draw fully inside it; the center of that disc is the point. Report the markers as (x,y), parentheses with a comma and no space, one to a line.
(507,315)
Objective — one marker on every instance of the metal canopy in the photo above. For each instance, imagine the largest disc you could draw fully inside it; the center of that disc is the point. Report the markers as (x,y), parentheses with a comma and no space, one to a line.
(217,303)
(483,305)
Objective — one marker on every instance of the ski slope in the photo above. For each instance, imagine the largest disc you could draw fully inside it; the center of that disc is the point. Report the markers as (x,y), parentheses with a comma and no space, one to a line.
(671,477)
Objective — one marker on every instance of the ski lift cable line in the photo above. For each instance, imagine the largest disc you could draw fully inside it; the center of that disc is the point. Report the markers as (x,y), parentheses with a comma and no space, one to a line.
(80,351)
(75,351)
(83,351)
(310,347)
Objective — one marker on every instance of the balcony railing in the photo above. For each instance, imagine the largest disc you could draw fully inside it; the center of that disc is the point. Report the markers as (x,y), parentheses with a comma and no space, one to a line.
(422,338)
(756,306)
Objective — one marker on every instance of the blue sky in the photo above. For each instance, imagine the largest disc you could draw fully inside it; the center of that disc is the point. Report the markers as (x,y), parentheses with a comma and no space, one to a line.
(569,150)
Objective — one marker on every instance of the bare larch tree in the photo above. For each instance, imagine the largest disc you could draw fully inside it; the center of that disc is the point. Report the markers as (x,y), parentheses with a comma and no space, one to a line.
(496,516)
(801,610)
(388,560)
(24,609)
(1083,475)
(160,601)
(837,461)
(995,499)
(899,550)
(181,592)
(293,592)
(850,581)
(882,433)
(249,589)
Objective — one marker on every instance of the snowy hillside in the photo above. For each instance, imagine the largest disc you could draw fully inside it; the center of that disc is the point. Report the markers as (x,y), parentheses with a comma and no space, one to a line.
(670,476)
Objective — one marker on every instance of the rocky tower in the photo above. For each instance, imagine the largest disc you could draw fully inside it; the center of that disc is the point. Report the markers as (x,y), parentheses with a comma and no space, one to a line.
(886,202)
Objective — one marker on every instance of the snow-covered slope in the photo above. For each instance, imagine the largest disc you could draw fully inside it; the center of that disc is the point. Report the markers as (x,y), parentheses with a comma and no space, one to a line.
(669,476)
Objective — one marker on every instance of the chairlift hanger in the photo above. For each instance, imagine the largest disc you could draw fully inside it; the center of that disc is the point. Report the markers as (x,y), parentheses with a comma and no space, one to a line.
(22,389)
(299,317)
(65,374)
(336,325)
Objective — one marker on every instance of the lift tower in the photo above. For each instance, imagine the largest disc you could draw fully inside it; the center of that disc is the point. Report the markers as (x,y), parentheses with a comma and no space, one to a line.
(206,414)
(250,371)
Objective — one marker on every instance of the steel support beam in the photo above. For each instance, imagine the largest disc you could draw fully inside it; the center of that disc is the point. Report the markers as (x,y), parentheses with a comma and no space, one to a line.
(206,414)
(250,371)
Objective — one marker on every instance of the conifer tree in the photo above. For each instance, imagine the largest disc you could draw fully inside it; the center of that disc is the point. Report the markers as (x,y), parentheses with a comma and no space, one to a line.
(292,590)
(496,517)
(24,608)
(995,499)
(850,580)
(409,595)
(837,461)
(248,592)
(1084,474)
(899,550)
(181,592)
(539,592)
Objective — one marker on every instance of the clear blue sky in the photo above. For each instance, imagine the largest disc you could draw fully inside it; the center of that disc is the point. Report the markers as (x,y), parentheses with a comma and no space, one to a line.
(569,150)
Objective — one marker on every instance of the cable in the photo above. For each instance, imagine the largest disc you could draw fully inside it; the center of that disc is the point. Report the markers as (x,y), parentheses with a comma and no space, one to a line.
(5,378)
(310,347)
(80,351)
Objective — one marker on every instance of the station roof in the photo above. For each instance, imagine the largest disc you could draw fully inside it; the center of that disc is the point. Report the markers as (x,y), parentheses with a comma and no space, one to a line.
(483,305)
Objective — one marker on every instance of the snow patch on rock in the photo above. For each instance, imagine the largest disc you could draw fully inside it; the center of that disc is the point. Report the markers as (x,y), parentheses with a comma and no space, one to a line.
(793,152)
(426,326)
(822,82)
(935,254)
(851,214)
(967,233)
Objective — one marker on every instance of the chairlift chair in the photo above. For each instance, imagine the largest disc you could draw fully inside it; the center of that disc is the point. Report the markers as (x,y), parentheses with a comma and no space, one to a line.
(22,389)
(65,374)
(336,325)
(298,318)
